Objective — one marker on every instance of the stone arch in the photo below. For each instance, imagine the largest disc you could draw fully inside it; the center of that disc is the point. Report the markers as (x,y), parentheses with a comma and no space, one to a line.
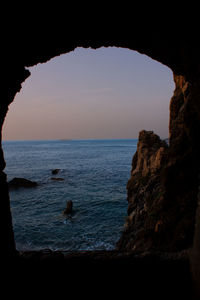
(178,53)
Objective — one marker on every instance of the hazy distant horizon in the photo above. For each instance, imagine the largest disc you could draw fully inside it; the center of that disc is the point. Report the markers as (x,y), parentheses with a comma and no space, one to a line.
(108,93)
(91,139)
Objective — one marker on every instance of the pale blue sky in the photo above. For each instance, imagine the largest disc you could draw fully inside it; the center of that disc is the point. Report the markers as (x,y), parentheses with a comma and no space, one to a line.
(92,94)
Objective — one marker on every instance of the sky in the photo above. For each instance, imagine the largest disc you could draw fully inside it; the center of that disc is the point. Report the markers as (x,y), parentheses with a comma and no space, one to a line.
(107,93)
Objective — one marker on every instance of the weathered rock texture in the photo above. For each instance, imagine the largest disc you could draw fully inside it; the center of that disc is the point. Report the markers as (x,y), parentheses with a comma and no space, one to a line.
(162,191)
(145,194)
(176,47)
(154,220)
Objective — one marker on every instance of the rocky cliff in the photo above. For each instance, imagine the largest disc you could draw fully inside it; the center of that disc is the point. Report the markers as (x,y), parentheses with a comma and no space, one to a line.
(162,191)
(151,224)
(145,193)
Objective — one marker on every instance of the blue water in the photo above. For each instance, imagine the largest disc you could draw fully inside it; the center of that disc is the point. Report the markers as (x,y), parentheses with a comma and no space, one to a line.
(95,174)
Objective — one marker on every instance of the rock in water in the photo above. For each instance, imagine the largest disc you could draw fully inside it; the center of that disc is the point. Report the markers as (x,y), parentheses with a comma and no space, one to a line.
(55,171)
(16,183)
(68,209)
(57,178)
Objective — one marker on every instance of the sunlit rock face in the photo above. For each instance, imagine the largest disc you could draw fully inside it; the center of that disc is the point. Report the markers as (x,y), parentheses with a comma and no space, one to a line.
(150,154)
(145,193)
(143,184)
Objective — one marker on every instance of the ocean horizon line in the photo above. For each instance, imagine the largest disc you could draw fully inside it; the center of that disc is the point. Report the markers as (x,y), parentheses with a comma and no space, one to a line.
(63,139)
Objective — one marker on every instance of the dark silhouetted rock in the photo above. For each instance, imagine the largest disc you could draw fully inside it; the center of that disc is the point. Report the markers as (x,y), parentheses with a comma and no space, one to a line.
(16,183)
(55,171)
(57,178)
(68,209)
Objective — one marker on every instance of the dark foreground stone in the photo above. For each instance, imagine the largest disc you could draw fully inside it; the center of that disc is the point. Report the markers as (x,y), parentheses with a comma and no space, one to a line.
(16,183)
(108,273)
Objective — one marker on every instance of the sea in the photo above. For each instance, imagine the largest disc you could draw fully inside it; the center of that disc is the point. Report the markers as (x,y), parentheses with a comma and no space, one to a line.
(94,175)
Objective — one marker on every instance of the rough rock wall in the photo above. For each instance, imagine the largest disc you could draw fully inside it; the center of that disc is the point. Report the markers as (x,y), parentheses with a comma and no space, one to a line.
(181,178)
(145,194)
(162,190)
(195,251)
(12,85)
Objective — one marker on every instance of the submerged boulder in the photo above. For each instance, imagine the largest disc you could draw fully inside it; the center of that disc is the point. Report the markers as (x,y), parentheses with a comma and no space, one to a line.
(55,171)
(68,209)
(16,183)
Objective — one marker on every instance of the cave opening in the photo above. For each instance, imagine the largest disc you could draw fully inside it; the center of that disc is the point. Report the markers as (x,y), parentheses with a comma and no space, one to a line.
(92,116)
